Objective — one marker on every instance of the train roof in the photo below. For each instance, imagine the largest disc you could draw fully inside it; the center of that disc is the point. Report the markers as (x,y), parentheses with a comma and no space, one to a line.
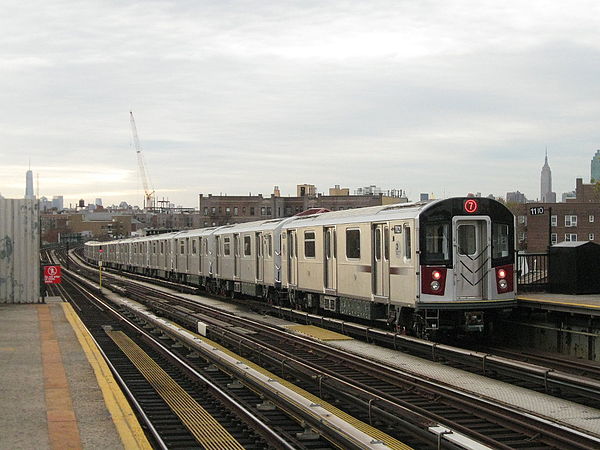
(370,214)
(262,225)
(396,211)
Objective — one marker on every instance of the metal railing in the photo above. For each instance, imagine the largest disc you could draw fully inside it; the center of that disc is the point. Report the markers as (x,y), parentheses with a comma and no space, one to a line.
(532,272)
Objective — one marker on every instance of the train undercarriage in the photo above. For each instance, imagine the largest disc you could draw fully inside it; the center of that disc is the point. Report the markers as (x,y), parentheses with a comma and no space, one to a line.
(427,323)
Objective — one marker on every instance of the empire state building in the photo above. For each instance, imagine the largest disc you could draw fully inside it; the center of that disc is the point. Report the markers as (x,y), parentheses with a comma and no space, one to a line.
(546,194)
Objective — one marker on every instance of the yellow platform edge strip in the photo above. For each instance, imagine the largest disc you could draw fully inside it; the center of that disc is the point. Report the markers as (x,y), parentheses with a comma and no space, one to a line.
(558,302)
(205,428)
(388,440)
(319,333)
(130,432)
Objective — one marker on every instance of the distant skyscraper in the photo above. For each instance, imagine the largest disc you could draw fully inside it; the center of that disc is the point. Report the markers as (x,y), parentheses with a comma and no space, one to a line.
(547,196)
(515,197)
(29,185)
(595,169)
(58,202)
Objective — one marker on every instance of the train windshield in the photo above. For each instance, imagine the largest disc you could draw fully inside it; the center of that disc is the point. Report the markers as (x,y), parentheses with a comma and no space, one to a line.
(500,240)
(437,243)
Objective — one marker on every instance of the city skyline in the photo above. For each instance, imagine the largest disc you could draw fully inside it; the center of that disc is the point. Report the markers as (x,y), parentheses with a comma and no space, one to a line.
(546,193)
(437,97)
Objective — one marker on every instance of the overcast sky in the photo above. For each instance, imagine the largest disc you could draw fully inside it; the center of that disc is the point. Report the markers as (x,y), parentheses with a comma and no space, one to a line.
(446,97)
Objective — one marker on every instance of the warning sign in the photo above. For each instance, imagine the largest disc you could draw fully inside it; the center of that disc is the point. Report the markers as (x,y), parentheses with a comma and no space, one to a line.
(52,274)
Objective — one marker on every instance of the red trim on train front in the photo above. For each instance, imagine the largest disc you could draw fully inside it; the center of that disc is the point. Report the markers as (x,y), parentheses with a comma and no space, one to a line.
(433,280)
(505,278)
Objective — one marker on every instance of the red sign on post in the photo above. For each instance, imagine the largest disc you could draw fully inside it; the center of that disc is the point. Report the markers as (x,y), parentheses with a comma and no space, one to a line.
(52,274)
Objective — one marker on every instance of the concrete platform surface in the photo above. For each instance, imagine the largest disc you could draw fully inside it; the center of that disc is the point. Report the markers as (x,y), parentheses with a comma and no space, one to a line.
(577,304)
(589,301)
(49,393)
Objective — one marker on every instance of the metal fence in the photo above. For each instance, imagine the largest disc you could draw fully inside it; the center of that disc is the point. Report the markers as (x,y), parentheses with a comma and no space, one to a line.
(19,251)
(532,272)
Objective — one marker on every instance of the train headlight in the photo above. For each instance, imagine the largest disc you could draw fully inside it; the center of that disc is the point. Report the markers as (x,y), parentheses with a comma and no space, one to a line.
(436,275)
(435,285)
(501,273)
(503,284)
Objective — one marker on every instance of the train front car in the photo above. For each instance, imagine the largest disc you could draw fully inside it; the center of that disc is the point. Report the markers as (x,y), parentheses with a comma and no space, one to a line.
(467,264)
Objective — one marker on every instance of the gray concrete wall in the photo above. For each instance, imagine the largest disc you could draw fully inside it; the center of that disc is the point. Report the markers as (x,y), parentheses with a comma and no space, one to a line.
(574,335)
(19,251)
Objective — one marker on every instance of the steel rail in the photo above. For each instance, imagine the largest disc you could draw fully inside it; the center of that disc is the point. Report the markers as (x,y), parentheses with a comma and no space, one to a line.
(537,424)
(436,351)
(266,431)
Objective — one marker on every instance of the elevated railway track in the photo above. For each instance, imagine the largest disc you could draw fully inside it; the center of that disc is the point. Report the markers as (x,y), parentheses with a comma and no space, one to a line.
(374,393)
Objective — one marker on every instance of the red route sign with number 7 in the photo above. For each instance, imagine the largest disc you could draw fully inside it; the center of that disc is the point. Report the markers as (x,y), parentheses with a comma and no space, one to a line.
(52,274)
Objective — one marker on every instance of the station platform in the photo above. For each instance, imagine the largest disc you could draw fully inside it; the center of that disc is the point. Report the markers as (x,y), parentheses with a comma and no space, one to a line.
(580,304)
(56,391)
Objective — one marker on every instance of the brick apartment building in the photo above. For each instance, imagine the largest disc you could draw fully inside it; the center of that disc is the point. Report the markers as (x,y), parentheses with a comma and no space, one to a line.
(542,224)
(96,225)
(226,209)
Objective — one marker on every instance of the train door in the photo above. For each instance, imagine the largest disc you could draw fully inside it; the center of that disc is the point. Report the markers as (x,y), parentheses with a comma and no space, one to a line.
(260,260)
(471,261)
(292,258)
(236,255)
(380,273)
(330,263)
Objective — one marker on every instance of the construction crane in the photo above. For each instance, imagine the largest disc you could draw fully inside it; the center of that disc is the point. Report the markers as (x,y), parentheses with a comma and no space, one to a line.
(148,190)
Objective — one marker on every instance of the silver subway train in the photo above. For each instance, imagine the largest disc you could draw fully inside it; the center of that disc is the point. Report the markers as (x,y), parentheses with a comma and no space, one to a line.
(420,267)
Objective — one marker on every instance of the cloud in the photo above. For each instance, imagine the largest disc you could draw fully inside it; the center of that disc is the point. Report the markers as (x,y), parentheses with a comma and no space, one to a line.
(240,96)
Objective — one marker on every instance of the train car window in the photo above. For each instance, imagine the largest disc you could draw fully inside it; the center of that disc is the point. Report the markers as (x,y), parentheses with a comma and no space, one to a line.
(500,240)
(194,247)
(334,243)
(328,244)
(437,241)
(377,244)
(247,246)
(269,241)
(182,247)
(226,246)
(386,243)
(467,244)
(407,243)
(295,245)
(353,244)
(309,244)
